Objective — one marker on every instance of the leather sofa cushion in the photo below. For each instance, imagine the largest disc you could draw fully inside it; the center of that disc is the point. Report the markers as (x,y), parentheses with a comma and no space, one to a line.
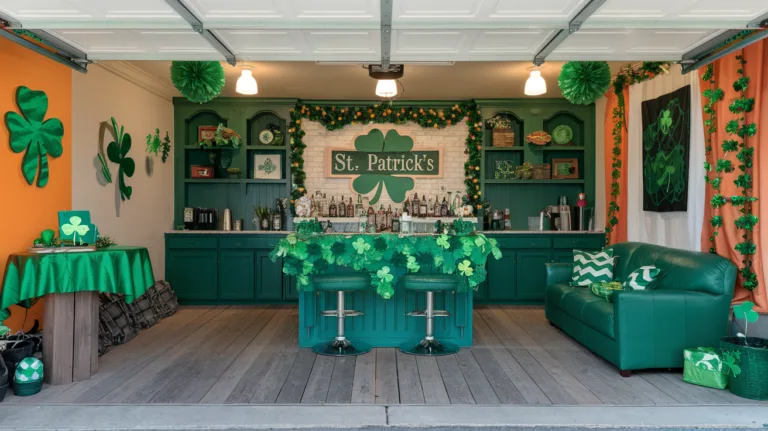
(598,315)
(346,282)
(582,305)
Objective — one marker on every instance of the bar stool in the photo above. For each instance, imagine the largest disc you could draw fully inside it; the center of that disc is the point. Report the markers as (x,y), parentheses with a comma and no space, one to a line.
(340,283)
(430,283)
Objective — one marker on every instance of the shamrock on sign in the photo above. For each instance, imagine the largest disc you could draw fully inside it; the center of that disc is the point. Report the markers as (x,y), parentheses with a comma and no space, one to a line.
(375,142)
(74,228)
(29,131)
(268,167)
(117,151)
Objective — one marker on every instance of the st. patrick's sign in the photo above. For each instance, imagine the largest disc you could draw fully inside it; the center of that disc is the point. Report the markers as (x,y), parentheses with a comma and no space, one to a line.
(381,162)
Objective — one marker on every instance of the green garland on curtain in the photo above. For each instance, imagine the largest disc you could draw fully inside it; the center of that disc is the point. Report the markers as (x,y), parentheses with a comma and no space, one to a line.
(627,76)
(713,95)
(740,131)
(338,117)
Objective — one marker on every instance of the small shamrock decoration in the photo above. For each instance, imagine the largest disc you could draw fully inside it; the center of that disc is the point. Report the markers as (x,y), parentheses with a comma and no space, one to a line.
(465,268)
(384,275)
(666,121)
(29,132)
(442,241)
(744,311)
(74,228)
(412,265)
(729,363)
(361,246)
(117,152)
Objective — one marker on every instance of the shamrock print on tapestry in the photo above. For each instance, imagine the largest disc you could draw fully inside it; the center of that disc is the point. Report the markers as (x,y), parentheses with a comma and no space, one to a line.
(31,132)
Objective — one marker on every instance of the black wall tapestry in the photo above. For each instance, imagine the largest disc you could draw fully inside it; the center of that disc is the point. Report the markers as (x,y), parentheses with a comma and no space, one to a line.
(666,149)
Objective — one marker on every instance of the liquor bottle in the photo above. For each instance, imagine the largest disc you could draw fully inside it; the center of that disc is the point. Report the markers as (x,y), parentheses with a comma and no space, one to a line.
(415,206)
(389,217)
(436,210)
(381,219)
(277,217)
(371,221)
(396,222)
(444,208)
(359,209)
(507,221)
(341,210)
(423,207)
(350,209)
(430,208)
(407,205)
(324,206)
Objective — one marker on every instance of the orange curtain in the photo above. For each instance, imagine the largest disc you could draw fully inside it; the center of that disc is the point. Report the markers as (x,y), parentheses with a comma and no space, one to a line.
(619,232)
(756,68)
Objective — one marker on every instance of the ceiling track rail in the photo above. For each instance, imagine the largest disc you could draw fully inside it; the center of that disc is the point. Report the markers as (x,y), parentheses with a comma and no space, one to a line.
(62,53)
(573,26)
(386,32)
(759,22)
(198,27)
(697,57)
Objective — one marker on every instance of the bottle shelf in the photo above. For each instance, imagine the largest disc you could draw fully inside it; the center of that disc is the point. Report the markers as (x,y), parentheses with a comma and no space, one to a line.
(562,148)
(495,181)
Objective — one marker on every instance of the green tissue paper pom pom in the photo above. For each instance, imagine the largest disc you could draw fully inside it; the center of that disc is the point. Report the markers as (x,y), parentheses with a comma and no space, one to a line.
(198,81)
(583,82)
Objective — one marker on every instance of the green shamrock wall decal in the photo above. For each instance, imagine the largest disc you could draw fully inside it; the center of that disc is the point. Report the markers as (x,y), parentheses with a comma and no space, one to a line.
(376,142)
(29,131)
(74,228)
(117,151)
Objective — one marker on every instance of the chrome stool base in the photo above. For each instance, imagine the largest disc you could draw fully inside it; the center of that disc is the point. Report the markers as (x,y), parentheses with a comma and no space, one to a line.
(341,348)
(429,348)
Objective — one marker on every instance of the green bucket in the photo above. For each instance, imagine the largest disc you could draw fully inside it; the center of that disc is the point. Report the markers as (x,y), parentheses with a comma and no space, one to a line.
(752,383)
(27,389)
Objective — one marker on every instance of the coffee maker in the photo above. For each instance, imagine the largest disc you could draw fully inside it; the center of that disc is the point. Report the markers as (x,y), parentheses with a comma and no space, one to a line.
(200,218)
(559,216)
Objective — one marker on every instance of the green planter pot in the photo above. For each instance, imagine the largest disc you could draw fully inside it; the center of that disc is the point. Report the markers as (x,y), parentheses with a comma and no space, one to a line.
(752,383)
(27,389)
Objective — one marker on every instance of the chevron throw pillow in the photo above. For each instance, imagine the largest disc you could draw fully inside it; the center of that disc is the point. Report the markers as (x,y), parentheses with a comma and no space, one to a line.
(591,268)
(642,278)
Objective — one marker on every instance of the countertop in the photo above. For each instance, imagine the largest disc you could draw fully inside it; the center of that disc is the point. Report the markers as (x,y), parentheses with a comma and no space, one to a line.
(282,232)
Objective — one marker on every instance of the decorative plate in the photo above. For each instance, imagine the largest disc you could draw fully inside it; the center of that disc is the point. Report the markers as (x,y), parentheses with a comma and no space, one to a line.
(562,135)
(539,138)
(266,137)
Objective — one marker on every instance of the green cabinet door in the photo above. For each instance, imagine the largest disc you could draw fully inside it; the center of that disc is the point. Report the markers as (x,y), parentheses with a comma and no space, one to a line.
(192,273)
(531,274)
(501,277)
(289,288)
(561,256)
(481,294)
(269,277)
(236,275)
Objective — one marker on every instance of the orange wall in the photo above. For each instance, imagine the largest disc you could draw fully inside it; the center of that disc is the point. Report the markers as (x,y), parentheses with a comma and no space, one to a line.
(31,209)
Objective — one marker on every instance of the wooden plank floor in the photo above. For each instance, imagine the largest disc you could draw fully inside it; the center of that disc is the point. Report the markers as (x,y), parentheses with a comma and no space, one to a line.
(242,355)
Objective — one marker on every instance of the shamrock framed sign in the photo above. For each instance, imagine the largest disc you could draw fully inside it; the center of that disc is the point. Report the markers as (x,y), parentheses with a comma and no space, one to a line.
(384,162)
(267,166)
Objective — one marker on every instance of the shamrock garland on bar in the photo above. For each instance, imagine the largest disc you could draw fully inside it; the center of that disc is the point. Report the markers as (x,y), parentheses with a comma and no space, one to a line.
(713,95)
(338,117)
(740,131)
(626,77)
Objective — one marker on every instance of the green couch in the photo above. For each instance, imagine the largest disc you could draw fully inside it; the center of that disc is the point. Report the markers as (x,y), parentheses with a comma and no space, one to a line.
(642,329)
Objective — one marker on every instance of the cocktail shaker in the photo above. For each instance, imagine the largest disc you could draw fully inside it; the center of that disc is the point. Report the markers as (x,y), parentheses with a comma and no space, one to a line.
(226,222)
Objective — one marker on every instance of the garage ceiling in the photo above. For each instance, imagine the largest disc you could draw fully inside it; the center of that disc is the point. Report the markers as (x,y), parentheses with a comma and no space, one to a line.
(351,30)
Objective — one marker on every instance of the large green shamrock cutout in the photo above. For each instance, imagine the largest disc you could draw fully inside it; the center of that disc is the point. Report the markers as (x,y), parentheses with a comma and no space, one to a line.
(29,131)
(117,151)
(74,228)
(665,122)
(376,142)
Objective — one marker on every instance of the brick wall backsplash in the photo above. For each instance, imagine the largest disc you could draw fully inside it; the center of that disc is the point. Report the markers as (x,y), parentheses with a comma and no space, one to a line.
(451,139)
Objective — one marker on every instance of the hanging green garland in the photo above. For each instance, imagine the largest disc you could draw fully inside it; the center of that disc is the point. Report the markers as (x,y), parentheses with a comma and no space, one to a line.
(198,81)
(713,95)
(338,117)
(626,77)
(583,82)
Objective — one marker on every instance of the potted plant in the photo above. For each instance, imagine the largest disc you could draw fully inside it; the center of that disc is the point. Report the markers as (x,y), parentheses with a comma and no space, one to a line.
(234,173)
(262,213)
(745,359)
(223,137)
(503,135)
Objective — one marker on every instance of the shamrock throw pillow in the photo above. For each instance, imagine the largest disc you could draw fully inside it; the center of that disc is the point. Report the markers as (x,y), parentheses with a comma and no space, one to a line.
(642,278)
(606,290)
(589,268)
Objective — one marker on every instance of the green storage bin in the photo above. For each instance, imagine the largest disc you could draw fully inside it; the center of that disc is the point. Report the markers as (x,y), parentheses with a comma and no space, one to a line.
(703,366)
(752,382)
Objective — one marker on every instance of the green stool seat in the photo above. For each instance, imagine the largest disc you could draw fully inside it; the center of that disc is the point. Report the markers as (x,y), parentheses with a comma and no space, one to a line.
(430,282)
(341,282)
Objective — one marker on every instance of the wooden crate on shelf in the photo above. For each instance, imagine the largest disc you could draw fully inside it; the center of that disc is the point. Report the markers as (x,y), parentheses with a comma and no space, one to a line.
(542,172)
(503,137)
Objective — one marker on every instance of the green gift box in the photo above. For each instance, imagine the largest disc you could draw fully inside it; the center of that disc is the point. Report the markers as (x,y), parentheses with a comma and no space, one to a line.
(702,366)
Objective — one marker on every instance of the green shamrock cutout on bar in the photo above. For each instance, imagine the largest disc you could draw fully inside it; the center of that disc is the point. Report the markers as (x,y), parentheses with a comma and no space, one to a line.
(376,142)
(117,152)
(29,131)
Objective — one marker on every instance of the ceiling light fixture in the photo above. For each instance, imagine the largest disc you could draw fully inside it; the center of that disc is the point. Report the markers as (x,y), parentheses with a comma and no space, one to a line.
(386,88)
(535,85)
(246,83)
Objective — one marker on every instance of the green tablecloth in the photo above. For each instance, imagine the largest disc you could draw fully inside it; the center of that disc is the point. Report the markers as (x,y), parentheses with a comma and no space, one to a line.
(116,269)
